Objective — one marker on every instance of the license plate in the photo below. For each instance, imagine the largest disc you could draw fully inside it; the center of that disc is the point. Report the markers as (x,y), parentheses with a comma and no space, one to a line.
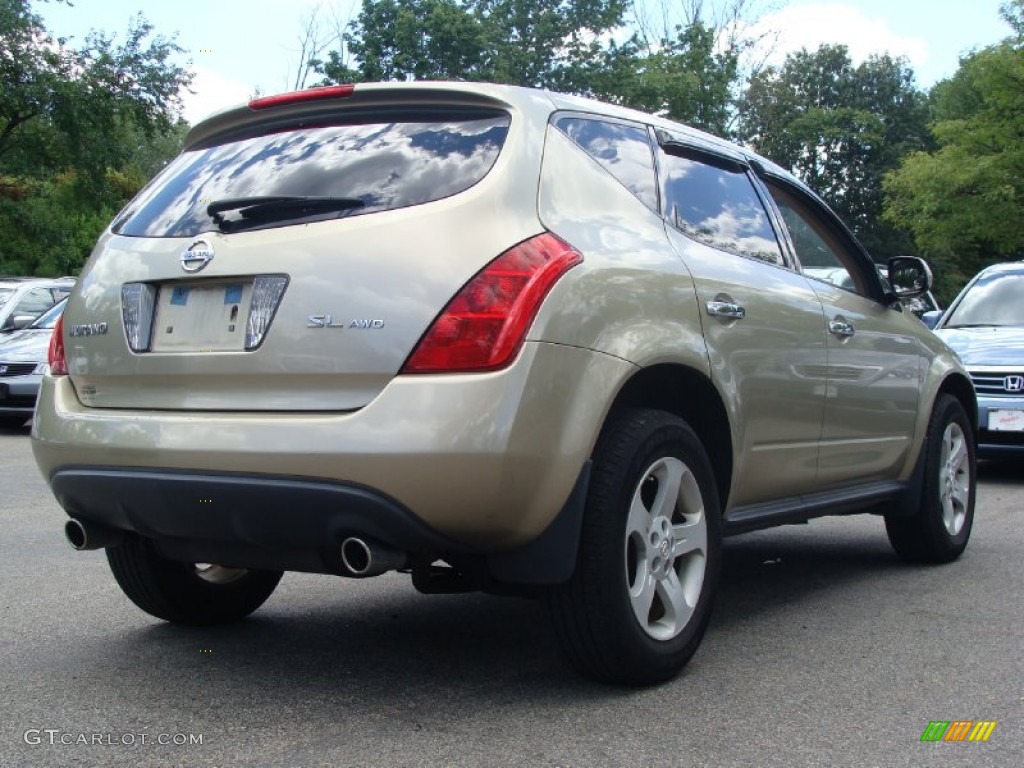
(1006,420)
(202,317)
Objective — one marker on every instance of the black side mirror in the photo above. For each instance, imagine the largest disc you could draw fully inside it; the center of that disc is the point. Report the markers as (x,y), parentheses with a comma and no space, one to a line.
(909,277)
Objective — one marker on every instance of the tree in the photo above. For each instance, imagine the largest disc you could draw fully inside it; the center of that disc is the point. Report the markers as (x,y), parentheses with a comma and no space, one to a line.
(687,74)
(840,128)
(964,202)
(81,129)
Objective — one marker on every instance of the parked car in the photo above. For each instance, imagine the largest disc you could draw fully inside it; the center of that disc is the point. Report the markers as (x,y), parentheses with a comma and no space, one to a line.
(23,356)
(23,299)
(499,339)
(985,325)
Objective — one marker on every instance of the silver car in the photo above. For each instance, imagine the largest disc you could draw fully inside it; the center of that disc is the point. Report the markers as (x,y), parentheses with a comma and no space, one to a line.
(498,339)
(23,356)
(985,325)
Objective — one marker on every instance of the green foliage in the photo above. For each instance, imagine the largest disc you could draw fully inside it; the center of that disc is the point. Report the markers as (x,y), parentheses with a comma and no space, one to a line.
(687,78)
(964,202)
(81,129)
(840,128)
(566,45)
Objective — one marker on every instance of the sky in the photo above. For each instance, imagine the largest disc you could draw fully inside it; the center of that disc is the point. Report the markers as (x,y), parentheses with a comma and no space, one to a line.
(237,47)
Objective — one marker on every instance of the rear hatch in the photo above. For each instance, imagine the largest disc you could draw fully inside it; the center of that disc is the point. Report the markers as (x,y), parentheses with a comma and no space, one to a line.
(292,257)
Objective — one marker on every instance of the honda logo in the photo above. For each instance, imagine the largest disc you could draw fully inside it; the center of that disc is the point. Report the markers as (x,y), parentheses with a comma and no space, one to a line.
(1014,383)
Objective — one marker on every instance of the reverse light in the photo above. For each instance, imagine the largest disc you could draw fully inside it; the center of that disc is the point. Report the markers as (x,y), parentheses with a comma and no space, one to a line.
(483,327)
(137,302)
(56,358)
(309,94)
(266,295)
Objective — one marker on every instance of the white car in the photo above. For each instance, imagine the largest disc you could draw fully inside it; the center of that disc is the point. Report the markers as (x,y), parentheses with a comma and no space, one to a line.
(23,299)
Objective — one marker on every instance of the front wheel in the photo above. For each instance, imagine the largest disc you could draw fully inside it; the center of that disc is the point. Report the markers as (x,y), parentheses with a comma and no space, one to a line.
(199,594)
(937,526)
(640,598)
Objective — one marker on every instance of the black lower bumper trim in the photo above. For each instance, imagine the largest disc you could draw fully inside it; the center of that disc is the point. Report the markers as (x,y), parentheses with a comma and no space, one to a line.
(248,511)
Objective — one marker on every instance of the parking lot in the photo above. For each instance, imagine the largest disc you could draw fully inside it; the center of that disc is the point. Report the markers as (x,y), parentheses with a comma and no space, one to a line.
(825,650)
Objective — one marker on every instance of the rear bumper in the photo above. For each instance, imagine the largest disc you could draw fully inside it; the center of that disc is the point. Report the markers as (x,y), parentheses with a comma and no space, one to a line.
(482,463)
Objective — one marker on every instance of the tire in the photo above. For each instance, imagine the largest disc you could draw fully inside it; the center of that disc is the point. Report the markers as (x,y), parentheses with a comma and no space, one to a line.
(185,593)
(630,614)
(936,527)
(13,422)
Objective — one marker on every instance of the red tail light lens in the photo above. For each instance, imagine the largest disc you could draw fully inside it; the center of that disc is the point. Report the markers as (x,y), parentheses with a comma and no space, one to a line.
(483,327)
(58,362)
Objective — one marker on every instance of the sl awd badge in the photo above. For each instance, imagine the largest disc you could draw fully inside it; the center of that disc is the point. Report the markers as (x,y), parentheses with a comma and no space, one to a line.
(330,321)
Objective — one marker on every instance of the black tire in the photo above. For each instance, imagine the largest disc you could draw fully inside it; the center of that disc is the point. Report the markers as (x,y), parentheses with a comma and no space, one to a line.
(600,632)
(186,593)
(13,422)
(936,527)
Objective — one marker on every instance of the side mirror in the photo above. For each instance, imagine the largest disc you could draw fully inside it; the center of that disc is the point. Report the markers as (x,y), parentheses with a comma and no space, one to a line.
(20,321)
(909,277)
(931,319)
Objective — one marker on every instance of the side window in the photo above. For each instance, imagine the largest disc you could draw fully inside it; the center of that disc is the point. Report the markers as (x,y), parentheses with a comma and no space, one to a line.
(717,205)
(822,255)
(623,150)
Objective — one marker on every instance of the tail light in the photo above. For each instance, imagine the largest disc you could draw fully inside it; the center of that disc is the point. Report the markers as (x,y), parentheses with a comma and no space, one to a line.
(310,94)
(57,359)
(483,327)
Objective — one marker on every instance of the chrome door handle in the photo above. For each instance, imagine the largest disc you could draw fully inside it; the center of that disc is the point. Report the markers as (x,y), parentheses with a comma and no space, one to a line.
(840,328)
(726,309)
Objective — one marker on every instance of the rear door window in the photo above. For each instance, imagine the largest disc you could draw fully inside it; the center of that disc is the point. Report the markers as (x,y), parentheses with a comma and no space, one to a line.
(623,149)
(713,201)
(379,165)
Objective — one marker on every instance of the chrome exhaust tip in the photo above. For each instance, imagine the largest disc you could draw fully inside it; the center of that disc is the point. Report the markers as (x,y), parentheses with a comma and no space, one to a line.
(82,535)
(364,558)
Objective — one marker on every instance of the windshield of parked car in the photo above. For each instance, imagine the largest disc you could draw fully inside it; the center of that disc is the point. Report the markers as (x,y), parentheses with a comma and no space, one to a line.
(996,299)
(377,165)
(49,318)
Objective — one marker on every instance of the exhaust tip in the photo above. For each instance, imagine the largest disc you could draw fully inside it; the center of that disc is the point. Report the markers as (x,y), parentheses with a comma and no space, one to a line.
(75,533)
(356,556)
(85,535)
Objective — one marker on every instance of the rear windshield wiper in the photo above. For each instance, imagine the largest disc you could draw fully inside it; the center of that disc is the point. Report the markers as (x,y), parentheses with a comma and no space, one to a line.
(252,210)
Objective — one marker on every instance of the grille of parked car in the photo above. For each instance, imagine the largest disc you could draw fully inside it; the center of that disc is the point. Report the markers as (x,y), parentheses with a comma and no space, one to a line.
(996,383)
(16,369)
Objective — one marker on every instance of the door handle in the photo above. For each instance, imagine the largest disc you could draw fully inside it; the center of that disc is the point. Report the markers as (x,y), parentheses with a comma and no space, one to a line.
(726,309)
(840,327)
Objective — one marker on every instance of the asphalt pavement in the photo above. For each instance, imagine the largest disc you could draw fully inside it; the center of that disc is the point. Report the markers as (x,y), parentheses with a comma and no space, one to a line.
(824,650)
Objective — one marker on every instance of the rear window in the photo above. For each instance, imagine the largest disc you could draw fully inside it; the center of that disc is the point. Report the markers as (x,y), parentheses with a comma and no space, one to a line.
(383,165)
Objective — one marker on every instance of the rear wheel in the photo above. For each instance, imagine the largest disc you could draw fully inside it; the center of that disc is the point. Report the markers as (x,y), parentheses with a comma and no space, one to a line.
(639,601)
(199,594)
(13,422)
(937,527)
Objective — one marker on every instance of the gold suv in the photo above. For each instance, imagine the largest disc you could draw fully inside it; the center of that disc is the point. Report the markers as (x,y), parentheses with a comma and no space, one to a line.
(496,338)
